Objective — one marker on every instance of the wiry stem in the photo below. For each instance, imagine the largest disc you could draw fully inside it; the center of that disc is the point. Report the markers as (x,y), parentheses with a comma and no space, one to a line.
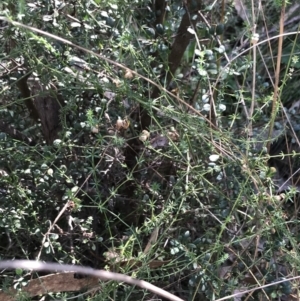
(277,75)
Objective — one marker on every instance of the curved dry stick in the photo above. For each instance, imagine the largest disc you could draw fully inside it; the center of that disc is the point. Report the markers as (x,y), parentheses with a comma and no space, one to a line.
(101,274)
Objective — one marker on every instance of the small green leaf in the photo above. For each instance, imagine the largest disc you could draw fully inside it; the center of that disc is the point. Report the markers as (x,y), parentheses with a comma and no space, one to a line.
(19,272)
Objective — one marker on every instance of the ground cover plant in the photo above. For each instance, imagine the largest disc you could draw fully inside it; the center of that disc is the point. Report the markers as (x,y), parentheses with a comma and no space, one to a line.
(154,139)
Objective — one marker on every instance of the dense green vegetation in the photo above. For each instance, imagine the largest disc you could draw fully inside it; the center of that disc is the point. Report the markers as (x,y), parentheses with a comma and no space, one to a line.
(157,139)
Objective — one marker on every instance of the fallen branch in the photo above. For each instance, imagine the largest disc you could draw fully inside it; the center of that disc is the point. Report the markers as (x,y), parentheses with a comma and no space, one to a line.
(101,274)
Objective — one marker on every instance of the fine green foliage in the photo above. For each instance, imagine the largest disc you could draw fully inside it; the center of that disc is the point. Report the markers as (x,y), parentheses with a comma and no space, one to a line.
(158,140)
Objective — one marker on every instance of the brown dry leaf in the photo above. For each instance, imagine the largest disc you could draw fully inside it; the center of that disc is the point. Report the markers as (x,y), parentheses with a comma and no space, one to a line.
(144,135)
(95,129)
(152,240)
(173,135)
(117,82)
(175,91)
(55,283)
(122,124)
(128,74)
(157,263)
